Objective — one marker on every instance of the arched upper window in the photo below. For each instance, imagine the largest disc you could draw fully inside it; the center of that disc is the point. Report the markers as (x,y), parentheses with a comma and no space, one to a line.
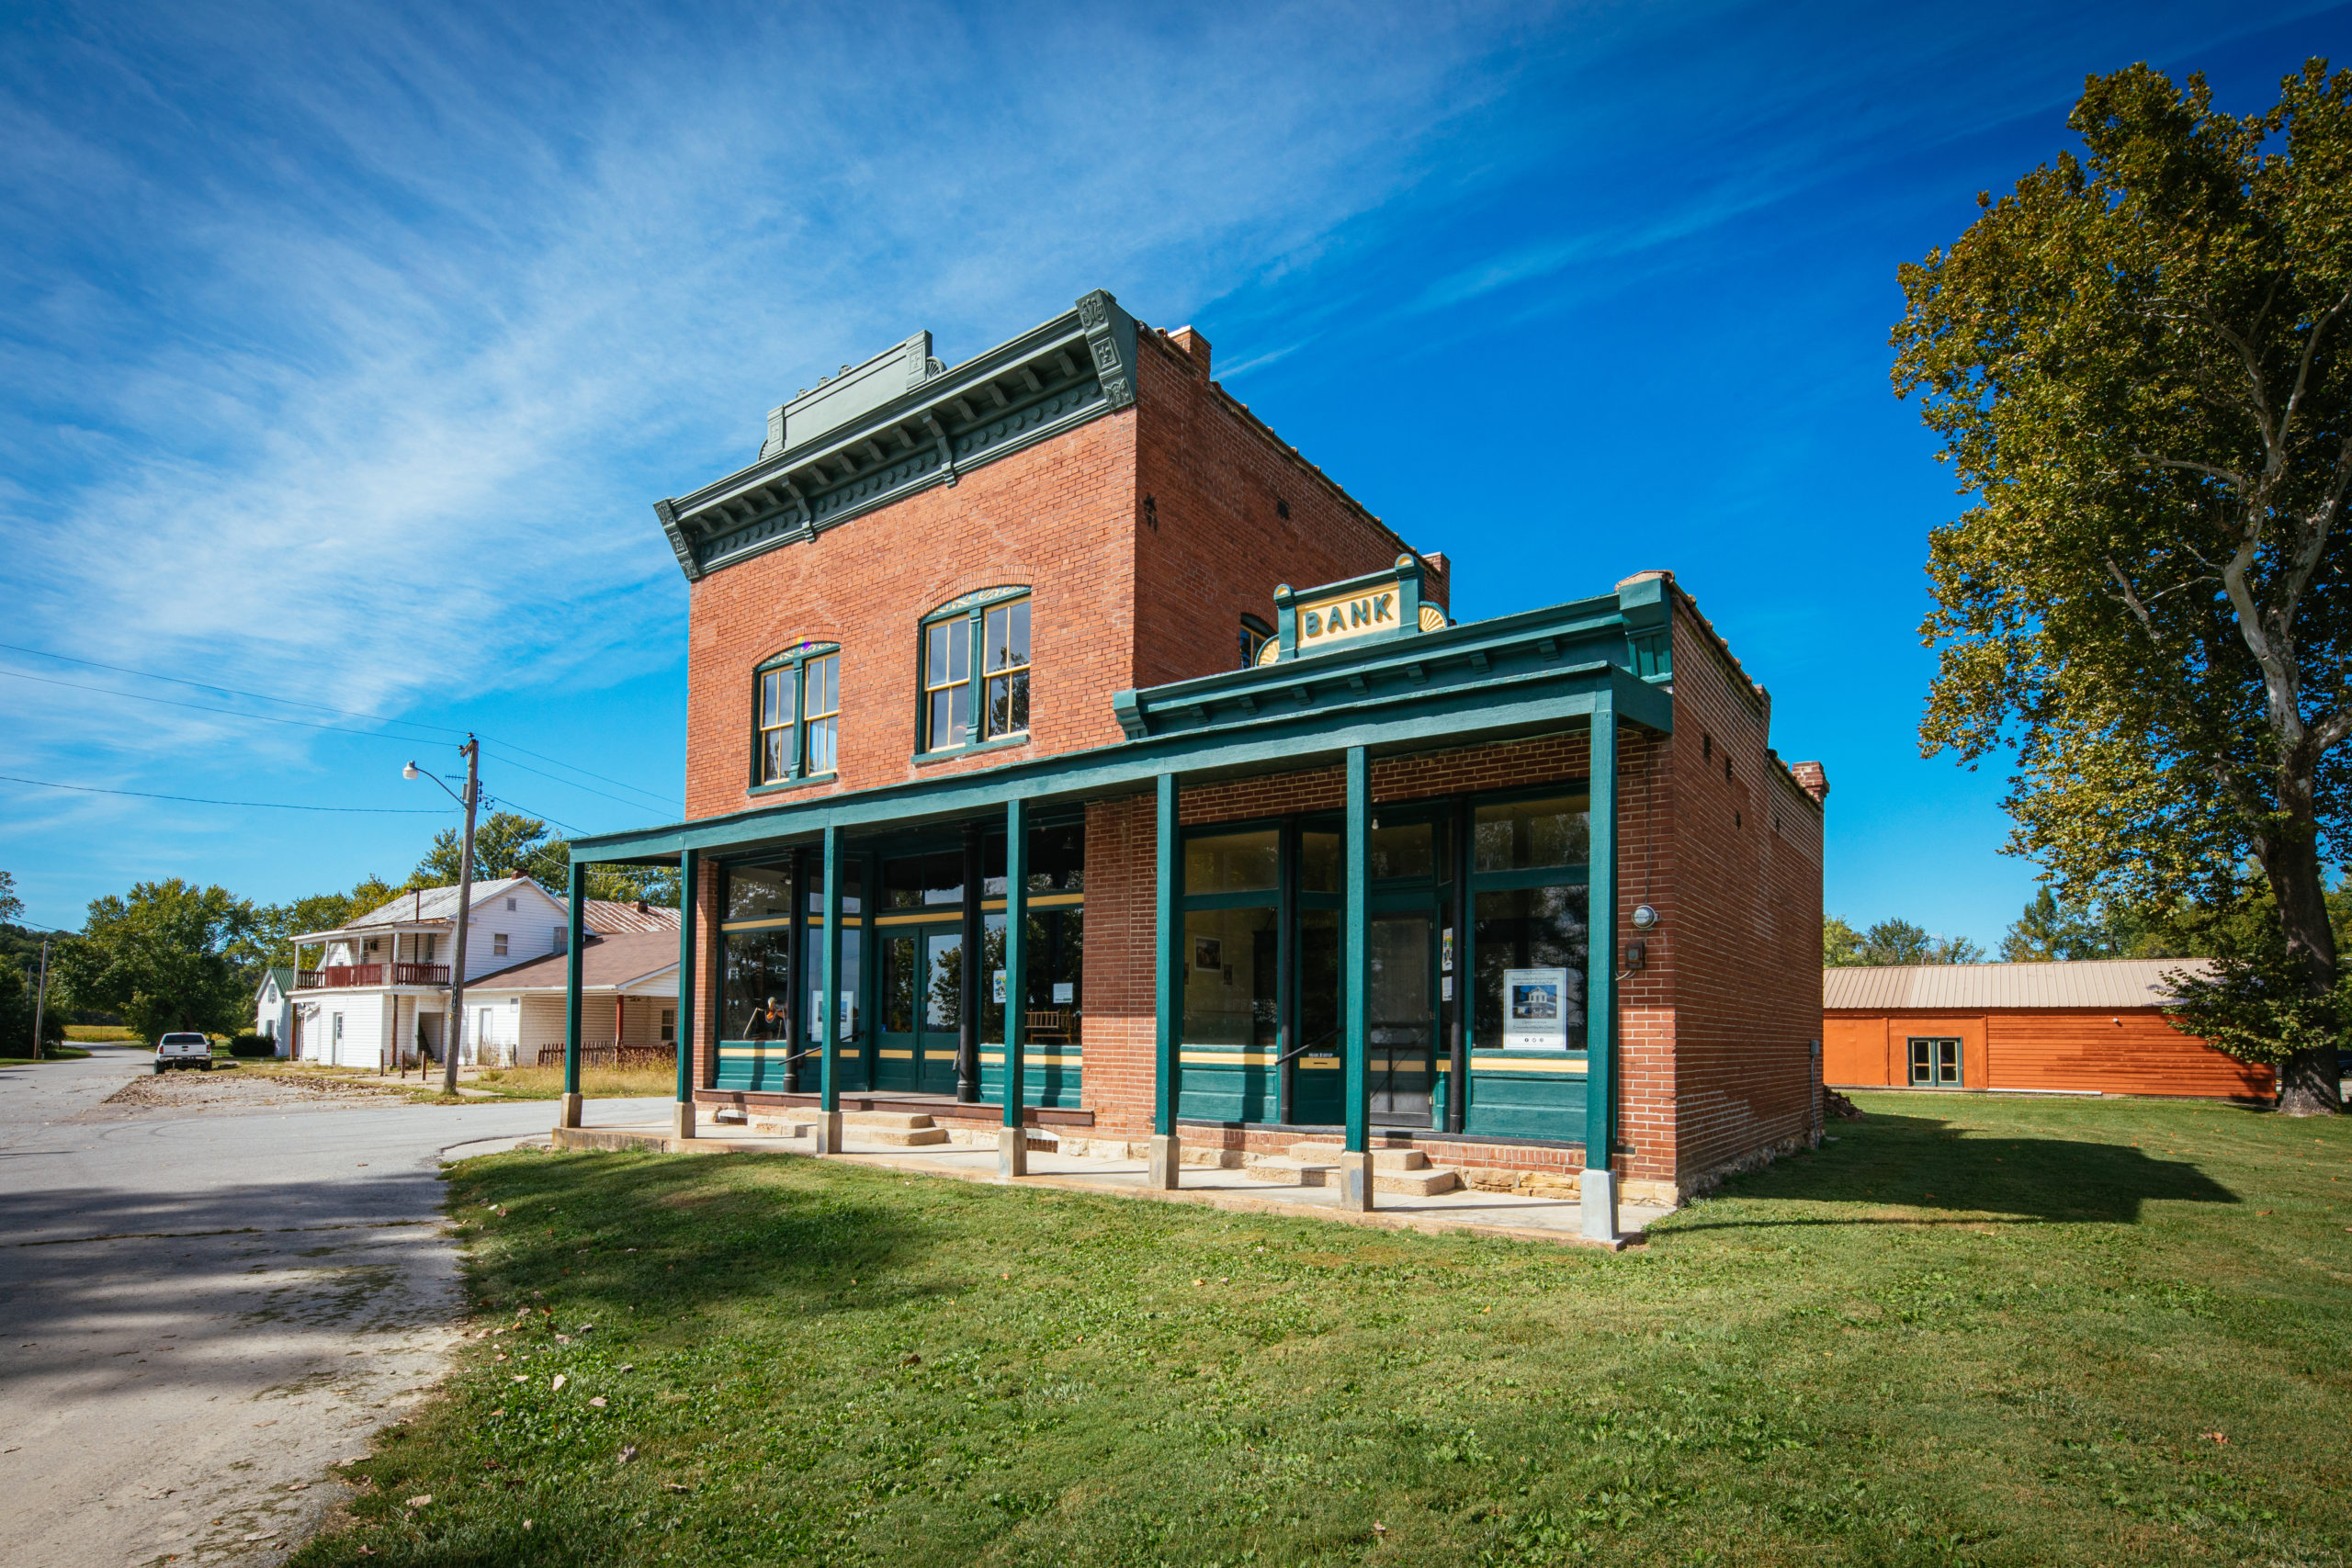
(975,662)
(795,714)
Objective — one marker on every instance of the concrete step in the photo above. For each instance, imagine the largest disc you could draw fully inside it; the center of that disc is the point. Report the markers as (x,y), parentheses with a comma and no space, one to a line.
(1382,1159)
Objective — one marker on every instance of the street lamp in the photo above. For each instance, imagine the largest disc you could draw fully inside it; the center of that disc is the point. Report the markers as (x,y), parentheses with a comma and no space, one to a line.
(471,751)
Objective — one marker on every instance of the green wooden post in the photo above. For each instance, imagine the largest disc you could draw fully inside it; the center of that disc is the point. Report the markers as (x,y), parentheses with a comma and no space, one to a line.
(568,1112)
(829,1097)
(1356,1168)
(1167,924)
(683,1034)
(1598,1182)
(1012,1143)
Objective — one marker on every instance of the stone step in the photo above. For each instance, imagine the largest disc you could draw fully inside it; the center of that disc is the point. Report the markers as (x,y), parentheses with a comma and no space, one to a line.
(1382,1159)
(1415,1183)
(904,1120)
(1291,1172)
(904,1137)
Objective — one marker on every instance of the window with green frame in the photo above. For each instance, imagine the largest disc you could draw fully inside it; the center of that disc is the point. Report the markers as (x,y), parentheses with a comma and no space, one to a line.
(796,709)
(975,665)
(1528,871)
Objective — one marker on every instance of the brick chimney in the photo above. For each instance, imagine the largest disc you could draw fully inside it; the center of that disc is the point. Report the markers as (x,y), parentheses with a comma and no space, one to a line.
(1813,778)
(1193,344)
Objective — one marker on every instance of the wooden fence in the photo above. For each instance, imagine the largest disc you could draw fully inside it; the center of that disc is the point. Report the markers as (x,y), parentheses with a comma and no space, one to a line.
(619,1056)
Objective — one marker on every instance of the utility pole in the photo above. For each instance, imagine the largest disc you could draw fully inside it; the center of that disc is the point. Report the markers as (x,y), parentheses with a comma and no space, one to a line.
(40,998)
(455,1034)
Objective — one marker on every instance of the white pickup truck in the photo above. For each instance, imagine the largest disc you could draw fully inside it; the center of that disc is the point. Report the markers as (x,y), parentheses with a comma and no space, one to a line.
(184,1051)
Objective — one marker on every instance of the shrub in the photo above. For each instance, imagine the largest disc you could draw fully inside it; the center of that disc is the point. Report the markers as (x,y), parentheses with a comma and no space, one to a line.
(253,1045)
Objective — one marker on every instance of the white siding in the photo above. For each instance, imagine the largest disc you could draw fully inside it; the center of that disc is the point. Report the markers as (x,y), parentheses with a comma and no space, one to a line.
(531,929)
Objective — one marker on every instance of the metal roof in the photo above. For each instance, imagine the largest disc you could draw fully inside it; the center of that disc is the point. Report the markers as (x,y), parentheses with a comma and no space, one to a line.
(2091,983)
(439,907)
(606,963)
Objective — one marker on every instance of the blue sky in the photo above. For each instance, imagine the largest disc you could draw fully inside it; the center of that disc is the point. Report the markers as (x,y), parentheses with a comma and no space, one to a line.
(347,347)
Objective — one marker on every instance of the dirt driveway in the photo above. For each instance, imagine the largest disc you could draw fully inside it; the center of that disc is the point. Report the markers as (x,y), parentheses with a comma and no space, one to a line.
(216,1287)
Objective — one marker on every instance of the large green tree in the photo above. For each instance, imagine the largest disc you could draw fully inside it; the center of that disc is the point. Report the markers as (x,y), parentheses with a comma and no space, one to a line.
(2137,363)
(165,957)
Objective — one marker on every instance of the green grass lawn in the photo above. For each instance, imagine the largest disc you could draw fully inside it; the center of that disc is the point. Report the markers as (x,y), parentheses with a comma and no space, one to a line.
(48,1053)
(1969,1330)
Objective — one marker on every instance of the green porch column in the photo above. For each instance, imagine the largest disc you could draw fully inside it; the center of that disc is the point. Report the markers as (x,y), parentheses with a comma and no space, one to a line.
(1013,1141)
(1355,941)
(568,1108)
(1166,1158)
(689,896)
(829,1094)
(1599,1182)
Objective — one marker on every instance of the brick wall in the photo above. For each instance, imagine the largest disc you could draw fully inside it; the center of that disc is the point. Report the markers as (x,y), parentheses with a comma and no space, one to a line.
(1122,1023)
(1737,948)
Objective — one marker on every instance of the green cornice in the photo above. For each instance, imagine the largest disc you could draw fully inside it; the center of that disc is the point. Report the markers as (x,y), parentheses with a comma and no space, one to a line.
(1076,368)
(1533,673)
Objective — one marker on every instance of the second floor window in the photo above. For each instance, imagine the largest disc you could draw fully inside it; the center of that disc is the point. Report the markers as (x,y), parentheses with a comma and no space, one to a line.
(976,670)
(797,706)
(1004,647)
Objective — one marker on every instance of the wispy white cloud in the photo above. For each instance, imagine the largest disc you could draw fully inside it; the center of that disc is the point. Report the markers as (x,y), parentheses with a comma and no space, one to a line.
(373,338)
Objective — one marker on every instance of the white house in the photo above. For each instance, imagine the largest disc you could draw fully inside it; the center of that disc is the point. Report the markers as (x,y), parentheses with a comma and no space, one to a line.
(274,1005)
(629,996)
(379,994)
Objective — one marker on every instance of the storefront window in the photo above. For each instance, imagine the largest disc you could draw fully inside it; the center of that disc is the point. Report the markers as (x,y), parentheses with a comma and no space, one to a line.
(1232,862)
(915,882)
(1056,962)
(757,893)
(1321,867)
(1523,835)
(1529,928)
(815,1017)
(1401,850)
(756,971)
(1318,980)
(1230,978)
(852,876)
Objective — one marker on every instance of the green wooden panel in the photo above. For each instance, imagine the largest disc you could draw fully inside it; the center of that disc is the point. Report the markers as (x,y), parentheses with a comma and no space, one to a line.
(1504,1104)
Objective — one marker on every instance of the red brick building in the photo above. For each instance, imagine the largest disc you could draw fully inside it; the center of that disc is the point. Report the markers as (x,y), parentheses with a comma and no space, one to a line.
(1009,733)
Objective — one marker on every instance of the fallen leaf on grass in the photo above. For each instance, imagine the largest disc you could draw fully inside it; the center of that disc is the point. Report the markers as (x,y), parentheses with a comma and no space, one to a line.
(673,1486)
(557,1386)
(628,1452)
(421,1500)
(598,1402)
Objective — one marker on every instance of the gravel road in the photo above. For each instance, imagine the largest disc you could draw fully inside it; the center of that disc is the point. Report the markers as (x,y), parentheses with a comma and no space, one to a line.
(211,1290)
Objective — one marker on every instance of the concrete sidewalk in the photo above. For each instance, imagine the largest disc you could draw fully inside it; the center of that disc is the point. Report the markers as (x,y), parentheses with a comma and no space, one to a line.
(1469,1210)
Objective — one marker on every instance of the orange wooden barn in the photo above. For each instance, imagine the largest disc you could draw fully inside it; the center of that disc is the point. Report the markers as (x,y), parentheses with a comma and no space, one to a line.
(2095,1027)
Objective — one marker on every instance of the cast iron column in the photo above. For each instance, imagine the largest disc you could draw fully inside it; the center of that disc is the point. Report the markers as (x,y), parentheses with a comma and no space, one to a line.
(795,972)
(829,1098)
(967,1036)
(568,1112)
(1598,1182)
(1167,1001)
(1355,1163)
(1012,1143)
(689,894)
(1457,1090)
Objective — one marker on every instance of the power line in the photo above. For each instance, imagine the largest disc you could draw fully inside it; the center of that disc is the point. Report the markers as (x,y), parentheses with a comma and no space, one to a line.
(256,804)
(570,785)
(199,707)
(323,707)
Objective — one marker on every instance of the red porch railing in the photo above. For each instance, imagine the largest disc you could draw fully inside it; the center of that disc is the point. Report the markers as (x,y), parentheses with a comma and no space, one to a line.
(336,975)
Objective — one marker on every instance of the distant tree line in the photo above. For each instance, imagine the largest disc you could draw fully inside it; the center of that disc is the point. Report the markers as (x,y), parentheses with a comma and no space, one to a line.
(170,954)
(2051,931)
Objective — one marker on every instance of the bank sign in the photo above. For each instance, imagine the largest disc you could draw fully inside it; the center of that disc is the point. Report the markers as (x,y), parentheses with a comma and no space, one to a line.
(1335,620)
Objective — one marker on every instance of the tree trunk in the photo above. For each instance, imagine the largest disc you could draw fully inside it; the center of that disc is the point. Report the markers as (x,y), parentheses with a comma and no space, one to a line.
(2308,1082)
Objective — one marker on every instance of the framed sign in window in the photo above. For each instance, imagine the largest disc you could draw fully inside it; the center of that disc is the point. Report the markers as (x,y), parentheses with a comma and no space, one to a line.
(1535,1010)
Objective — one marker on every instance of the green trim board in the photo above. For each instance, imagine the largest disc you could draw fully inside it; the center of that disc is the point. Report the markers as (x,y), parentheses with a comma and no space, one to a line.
(1384,723)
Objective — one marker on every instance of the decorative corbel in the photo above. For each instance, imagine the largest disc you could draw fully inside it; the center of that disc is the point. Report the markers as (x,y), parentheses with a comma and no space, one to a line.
(1110,343)
(687,561)
(946,449)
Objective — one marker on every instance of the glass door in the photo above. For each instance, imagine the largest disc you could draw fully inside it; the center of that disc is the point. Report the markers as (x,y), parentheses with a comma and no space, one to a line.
(1402,1016)
(922,1009)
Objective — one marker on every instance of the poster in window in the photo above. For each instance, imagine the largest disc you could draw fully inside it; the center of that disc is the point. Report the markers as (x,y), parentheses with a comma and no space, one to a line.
(1536,1012)
(1065,990)
(999,988)
(1208,954)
